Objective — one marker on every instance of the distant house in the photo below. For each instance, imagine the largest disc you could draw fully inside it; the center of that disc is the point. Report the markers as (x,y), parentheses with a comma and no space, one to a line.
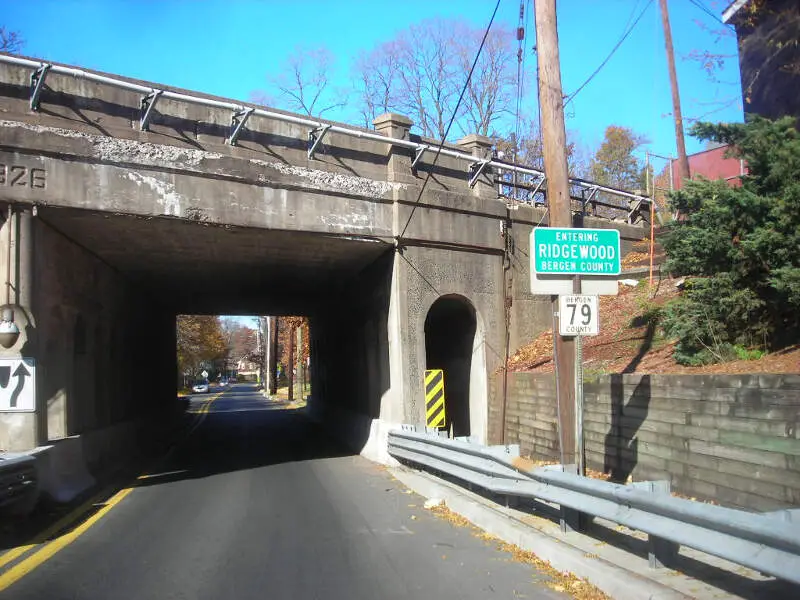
(711,164)
(769,55)
(247,369)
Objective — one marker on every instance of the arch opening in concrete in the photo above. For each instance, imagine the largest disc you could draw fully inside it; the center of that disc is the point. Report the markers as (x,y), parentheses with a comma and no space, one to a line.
(451,344)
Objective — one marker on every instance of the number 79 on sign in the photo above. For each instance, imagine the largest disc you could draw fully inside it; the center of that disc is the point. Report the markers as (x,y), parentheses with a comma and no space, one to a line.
(578,315)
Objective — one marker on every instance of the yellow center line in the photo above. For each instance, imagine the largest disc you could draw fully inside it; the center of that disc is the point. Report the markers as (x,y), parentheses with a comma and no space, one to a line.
(19,571)
(49,550)
(43,536)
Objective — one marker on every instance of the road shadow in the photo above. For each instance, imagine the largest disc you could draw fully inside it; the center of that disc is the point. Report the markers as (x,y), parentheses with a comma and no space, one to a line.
(242,430)
(627,416)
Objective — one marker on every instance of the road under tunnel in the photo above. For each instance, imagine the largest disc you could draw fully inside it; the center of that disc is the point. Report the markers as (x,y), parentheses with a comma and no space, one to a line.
(254,500)
(108,288)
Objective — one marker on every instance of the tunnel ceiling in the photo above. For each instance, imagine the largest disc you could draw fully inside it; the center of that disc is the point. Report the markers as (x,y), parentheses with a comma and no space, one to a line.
(207,268)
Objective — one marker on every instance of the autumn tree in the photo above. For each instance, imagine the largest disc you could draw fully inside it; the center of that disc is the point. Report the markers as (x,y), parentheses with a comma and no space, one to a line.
(241,342)
(200,341)
(528,150)
(10,41)
(614,163)
(304,82)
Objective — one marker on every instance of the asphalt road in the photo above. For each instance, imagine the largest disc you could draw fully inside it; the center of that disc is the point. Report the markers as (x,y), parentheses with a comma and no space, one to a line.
(259,503)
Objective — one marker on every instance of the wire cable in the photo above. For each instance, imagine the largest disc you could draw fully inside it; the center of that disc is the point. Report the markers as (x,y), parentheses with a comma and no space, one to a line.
(610,54)
(452,120)
(709,13)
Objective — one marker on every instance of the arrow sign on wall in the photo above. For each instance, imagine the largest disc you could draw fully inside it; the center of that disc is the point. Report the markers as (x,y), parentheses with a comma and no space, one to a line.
(17,385)
(21,373)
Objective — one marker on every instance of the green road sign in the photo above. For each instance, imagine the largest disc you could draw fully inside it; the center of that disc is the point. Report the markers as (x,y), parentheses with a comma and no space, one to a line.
(575,251)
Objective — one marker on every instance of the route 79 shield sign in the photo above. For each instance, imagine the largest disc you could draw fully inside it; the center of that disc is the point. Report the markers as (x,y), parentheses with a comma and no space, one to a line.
(578,315)
(17,385)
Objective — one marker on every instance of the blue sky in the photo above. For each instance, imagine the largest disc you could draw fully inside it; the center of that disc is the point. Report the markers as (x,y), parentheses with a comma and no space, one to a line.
(229,47)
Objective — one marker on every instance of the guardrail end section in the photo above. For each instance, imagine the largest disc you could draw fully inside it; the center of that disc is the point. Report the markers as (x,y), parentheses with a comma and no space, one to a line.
(661,552)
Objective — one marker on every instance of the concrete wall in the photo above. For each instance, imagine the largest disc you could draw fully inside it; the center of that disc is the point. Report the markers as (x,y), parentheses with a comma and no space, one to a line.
(729,438)
(88,153)
(350,365)
(104,350)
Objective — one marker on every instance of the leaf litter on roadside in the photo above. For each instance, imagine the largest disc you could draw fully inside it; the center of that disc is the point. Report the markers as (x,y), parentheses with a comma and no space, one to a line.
(565,582)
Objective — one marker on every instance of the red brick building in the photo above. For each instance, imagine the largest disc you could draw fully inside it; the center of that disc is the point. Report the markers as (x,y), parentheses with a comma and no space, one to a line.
(711,164)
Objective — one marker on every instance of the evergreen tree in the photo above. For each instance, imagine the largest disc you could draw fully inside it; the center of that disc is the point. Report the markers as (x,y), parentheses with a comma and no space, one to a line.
(741,247)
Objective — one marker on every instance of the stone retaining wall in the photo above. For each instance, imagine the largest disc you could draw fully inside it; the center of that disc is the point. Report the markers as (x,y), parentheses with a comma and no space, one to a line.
(728,438)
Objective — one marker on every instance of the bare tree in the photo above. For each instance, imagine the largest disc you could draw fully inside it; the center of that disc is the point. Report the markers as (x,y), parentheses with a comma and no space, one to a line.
(428,74)
(304,84)
(10,41)
(490,92)
(376,76)
(421,72)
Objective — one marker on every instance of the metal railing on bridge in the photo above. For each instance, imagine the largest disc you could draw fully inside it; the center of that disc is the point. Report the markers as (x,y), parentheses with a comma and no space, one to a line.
(766,542)
(529,186)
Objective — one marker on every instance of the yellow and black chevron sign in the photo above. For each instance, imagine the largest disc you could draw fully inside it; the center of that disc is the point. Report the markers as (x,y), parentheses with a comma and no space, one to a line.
(434,398)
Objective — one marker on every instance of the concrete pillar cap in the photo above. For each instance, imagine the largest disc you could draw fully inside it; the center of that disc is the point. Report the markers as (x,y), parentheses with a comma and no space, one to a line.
(391,119)
(477,144)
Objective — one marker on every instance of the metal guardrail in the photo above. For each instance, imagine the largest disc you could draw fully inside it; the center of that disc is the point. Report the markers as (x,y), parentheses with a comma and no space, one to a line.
(240,113)
(18,481)
(766,542)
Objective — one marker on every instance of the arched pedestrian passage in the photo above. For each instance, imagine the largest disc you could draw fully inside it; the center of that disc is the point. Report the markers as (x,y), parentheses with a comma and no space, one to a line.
(451,344)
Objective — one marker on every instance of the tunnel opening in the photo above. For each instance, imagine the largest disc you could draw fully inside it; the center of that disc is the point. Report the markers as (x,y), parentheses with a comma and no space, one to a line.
(112,289)
(450,334)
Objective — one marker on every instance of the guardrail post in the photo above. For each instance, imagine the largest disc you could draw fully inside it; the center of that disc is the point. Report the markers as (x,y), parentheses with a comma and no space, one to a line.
(660,552)
(572,520)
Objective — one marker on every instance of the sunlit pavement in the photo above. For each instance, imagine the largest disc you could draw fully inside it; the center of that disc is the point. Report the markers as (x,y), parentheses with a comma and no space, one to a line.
(257,502)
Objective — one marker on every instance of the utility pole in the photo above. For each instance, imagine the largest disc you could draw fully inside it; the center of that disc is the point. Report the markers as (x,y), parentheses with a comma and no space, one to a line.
(299,377)
(554,141)
(290,364)
(683,160)
(273,365)
(266,359)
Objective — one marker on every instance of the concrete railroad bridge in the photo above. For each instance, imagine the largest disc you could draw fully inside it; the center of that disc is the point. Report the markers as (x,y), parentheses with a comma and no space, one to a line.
(126,203)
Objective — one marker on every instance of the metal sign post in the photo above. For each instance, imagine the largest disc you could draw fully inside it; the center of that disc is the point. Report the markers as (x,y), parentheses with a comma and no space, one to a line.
(579,404)
(576,265)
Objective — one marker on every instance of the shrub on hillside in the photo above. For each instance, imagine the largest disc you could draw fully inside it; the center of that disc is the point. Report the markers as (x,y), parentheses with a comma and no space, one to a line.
(740,247)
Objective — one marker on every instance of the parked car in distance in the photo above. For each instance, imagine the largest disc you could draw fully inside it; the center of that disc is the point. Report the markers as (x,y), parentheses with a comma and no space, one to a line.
(201,387)
(223,381)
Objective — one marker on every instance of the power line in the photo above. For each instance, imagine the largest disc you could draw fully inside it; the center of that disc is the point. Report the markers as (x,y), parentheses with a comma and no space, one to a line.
(709,13)
(610,54)
(452,120)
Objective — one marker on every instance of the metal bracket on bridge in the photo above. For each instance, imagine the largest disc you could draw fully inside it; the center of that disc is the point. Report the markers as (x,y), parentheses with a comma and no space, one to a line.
(635,209)
(476,170)
(37,84)
(539,185)
(588,199)
(420,151)
(147,104)
(315,137)
(238,119)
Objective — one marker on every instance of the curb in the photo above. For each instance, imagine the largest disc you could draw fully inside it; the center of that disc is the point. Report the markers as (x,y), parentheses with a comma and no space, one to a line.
(617,582)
